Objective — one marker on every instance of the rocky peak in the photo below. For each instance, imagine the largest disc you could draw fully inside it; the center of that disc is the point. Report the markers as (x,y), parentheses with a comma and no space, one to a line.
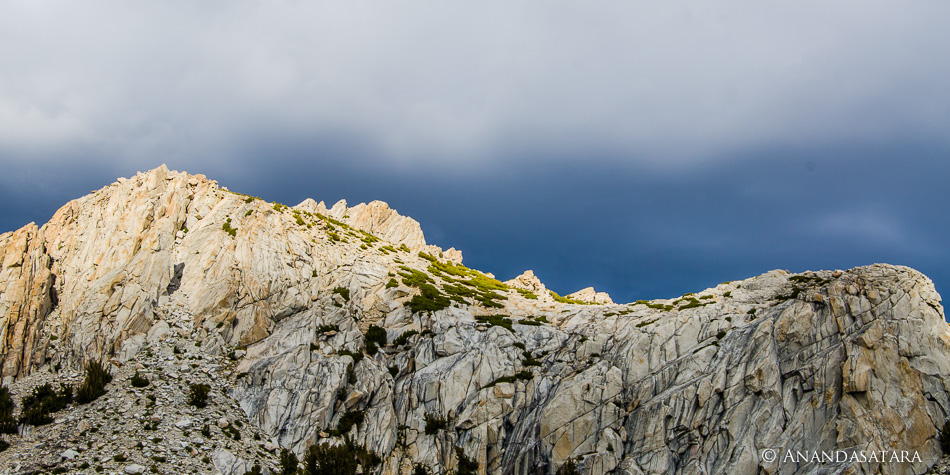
(339,210)
(590,295)
(529,282)
(376,218)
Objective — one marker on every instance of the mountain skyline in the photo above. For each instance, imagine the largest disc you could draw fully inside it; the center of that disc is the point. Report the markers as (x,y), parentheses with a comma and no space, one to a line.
(569,269)
(647,150)
(309,326)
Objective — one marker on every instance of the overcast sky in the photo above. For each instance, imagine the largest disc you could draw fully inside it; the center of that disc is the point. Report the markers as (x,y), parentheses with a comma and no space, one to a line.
(645,148)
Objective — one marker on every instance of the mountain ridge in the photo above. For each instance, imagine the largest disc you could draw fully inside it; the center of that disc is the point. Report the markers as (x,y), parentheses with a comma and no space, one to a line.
(524,380)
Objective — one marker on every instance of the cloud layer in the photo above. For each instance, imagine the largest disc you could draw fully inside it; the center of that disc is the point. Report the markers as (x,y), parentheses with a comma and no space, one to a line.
(704,142)
(437,82)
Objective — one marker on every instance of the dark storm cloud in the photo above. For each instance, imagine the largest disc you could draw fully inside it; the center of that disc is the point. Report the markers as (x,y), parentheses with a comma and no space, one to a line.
(434,82)
(646,148)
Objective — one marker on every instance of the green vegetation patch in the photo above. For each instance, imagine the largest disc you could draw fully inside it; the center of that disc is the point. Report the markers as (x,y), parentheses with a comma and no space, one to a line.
(435,423)
(43,401)
(466,465)
(496,320)
(349,420)
(527,294)
(247,198)
(429,300)
(367,238)
(198,395)
(484,283)
(375,338)
(428,257)
(691,303)
(403,338)
(796,291)
(356,356)
(228,229)
(288,462)
(558,298)
(523,375)
(461,284)
(529,359)
(648,322)
(343,292)
(347,458)
(95,383)
(569,468)
(809,279)
(330,221)
(801,283)
(655,306)
(8,425)
(414,278)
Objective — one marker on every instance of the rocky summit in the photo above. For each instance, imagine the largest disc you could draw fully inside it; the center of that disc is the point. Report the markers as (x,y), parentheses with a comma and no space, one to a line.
(243,336)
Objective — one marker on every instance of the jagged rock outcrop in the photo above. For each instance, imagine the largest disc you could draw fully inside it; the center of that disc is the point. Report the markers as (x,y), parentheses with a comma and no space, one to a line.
(28,295)
(529,282)
(376,218)
(590,295)
(109,258)
(520,383)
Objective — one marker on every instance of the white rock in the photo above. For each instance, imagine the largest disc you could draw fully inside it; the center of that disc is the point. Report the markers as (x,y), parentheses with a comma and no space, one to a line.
(69,454)
(591,296)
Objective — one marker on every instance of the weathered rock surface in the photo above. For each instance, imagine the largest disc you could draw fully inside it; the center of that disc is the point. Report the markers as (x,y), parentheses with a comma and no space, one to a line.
(590,295)
(132,429)
(821,361)
(529,282)
(376,218)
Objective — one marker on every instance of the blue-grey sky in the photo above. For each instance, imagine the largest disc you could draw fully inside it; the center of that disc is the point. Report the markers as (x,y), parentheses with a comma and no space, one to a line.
(645,148)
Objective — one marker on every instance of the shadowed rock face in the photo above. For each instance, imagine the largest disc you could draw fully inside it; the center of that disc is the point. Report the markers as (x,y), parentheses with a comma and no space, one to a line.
(819,361)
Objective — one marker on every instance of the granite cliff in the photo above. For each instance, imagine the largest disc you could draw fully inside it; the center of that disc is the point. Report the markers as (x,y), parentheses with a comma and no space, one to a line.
(313,323)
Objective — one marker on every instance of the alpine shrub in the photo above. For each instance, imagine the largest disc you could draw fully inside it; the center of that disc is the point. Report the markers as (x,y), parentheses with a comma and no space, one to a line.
(43,401)
(139,381)
(95,383)
(343,459)
(288,462)
(376,335)
(198,395)
(7,422)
